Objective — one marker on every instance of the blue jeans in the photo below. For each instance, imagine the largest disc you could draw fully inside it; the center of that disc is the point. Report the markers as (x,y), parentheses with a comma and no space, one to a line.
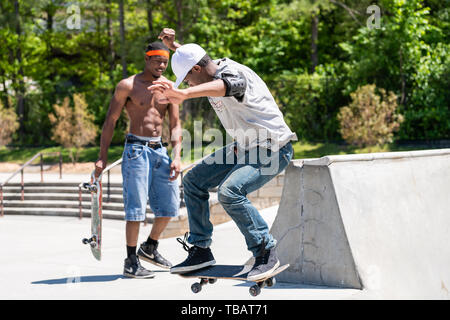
(145,174)
(246,172)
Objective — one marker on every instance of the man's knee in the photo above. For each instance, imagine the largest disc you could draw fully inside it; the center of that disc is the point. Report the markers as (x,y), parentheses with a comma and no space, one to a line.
(188,180)
(228,195)
(191,184)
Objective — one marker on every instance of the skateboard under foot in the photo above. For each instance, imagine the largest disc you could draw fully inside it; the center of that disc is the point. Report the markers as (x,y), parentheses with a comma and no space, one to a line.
(213,273)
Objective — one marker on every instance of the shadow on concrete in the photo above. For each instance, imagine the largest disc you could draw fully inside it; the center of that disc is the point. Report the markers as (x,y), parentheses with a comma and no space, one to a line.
(288,285)
(101,278)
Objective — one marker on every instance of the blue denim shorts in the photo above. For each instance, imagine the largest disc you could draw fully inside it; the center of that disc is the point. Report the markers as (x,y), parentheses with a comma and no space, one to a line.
(145,173)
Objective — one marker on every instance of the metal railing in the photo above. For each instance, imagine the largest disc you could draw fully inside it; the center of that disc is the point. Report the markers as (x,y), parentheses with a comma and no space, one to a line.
(108,192)
(21,170)
(107,170)
(188,167)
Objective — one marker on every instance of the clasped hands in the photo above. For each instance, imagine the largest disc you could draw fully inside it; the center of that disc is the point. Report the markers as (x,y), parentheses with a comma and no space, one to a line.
(171,94)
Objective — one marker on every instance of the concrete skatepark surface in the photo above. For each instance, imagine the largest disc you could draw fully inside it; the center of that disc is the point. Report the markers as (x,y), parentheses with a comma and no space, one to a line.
(374,226)
(43,258)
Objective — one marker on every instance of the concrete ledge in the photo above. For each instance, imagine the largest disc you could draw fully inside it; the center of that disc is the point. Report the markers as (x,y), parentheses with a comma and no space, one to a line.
(326,161)
(377,222)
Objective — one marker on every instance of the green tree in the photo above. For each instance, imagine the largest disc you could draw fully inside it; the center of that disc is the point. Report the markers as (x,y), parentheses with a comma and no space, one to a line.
(312,54)
(409,56)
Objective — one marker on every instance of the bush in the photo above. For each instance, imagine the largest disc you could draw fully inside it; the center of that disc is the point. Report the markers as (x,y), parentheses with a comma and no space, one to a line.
(74,127)
(8,125)
(369,119)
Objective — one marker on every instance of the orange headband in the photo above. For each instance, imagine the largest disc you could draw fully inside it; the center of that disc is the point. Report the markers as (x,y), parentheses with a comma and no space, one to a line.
(163,53)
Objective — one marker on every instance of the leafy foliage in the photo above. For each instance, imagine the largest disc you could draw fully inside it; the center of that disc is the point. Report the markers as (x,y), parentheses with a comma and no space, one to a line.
(43,60)
(409,56)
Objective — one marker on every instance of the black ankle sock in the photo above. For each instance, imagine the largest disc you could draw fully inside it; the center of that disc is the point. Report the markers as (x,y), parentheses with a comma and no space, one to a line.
(151,241)
(131,251)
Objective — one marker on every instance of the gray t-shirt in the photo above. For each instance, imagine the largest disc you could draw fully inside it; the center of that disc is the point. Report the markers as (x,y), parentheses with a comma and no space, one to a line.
(253,119)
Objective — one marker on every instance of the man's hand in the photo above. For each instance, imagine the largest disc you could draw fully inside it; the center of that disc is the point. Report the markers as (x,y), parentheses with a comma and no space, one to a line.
(173,95)
(175,169)
(167,36)
(100,165)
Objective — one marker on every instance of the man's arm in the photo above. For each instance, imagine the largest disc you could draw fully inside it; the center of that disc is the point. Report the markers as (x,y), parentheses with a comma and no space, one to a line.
(175,139)
(215,88)
(115,109)
(167,36)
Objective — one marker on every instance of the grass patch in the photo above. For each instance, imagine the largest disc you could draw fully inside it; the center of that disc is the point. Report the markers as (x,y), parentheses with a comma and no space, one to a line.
(302,150)
(22,155)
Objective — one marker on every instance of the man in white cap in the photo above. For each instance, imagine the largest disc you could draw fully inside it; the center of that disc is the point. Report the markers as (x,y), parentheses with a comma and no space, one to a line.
(251,116)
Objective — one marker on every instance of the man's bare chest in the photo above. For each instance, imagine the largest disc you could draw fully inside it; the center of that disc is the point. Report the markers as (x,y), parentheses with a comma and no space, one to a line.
(142,98)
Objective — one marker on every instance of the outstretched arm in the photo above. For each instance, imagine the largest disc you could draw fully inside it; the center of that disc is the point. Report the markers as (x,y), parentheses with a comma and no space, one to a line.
(167,36)
(215,88)
(175,137)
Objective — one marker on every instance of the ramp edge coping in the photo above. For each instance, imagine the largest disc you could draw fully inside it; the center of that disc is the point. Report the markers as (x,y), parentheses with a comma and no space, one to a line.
(327,160)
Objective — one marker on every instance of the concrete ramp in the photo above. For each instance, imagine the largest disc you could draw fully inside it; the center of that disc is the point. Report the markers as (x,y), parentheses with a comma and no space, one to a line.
(378,222)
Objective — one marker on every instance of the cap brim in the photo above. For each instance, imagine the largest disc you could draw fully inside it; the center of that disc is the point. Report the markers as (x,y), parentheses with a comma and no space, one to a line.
(180,79)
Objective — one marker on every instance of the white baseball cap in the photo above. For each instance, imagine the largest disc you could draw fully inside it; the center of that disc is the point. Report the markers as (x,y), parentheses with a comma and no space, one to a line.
(184,59)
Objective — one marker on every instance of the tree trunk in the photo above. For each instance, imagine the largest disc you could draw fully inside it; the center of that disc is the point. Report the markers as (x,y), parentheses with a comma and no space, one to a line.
(98,21)
(50,13)
(314,37)
(112,54)
(150,17)
(21,86)
(122,40)
(5,90)
(50,10)
(180,24)
(402,75)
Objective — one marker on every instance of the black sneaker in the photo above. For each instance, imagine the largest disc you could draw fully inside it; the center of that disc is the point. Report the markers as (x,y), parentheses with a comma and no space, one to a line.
(264,265)
(133,269)
(198,258)
(147,252)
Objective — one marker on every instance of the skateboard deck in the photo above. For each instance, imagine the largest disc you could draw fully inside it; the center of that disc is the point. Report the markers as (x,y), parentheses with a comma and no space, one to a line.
(95,240)
(233,272)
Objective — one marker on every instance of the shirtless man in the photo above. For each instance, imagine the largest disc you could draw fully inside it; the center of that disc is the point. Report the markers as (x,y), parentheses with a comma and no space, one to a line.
(147,170)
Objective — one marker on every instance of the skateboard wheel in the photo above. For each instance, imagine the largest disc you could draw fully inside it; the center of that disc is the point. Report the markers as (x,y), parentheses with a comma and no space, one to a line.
(255,290)
(196,287)
(85,241)
(271,282)
(212,281)
(93,245)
